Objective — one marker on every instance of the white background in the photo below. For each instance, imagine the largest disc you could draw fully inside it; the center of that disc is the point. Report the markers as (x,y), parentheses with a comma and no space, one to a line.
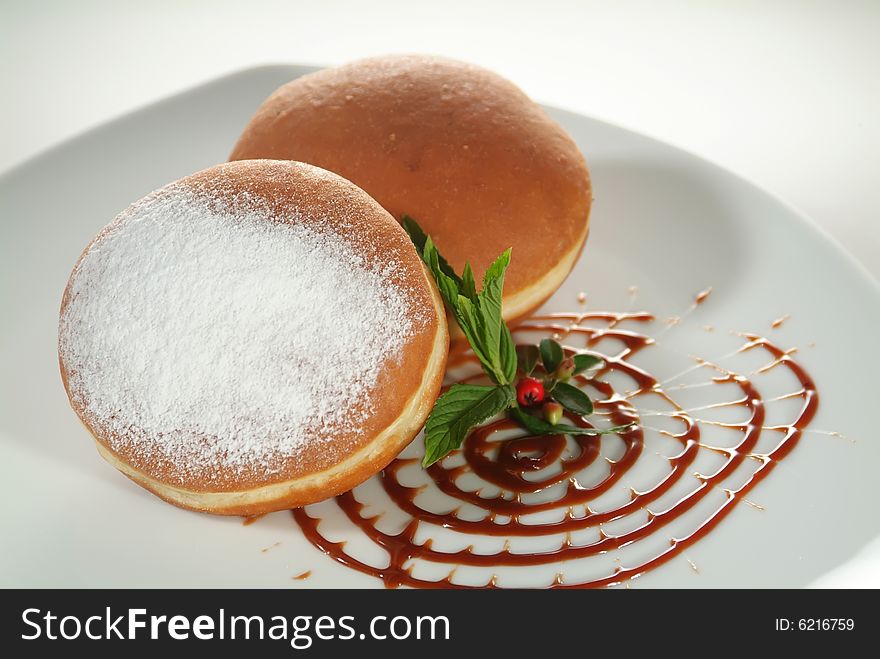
(784,93)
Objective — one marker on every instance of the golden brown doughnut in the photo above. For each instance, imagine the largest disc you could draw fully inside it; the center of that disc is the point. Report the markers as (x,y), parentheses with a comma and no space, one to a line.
(463,151)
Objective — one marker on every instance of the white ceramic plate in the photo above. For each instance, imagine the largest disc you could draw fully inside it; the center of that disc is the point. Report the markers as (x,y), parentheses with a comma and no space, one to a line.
(664,221)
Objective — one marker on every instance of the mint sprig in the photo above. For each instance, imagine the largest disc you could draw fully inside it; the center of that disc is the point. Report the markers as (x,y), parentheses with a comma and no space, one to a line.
(478,314)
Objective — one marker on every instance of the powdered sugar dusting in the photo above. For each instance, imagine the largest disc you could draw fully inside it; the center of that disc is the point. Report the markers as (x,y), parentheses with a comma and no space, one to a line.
(209,338)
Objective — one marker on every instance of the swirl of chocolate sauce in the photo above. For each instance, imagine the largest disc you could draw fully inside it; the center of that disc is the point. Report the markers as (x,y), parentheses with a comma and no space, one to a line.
(506,462)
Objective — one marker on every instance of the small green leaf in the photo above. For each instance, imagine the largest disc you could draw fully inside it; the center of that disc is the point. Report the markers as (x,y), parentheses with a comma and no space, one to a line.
(527,357)
(495,271)
(419,238)
(573,399)
(539,426)
(468,285)
(490,323)
(457,411)
(416,233)
(449,287)
(586,362)
(507,353)
(468,316)
(551,354)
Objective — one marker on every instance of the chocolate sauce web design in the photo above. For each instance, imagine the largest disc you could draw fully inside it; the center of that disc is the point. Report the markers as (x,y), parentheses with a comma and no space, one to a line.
(582,491)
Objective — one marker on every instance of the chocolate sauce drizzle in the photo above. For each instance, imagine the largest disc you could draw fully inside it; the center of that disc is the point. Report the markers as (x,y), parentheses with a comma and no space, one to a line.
(505,463)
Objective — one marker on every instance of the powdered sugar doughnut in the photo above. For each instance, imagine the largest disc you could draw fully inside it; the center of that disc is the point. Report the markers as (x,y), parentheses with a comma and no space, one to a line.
(256,336)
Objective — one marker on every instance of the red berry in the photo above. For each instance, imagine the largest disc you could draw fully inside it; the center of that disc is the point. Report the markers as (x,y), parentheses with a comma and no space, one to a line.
(529,391)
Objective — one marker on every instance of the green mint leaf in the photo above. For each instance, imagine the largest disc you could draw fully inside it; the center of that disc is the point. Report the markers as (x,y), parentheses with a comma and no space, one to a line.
(572,399)
(495,272)
(469,319)
(586,362)
(494,334)
(507,352)
(419,238)
(459,410)
(527,358)
(448,287)
(416,233)
(551,354)
(468,285)
(538,426)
